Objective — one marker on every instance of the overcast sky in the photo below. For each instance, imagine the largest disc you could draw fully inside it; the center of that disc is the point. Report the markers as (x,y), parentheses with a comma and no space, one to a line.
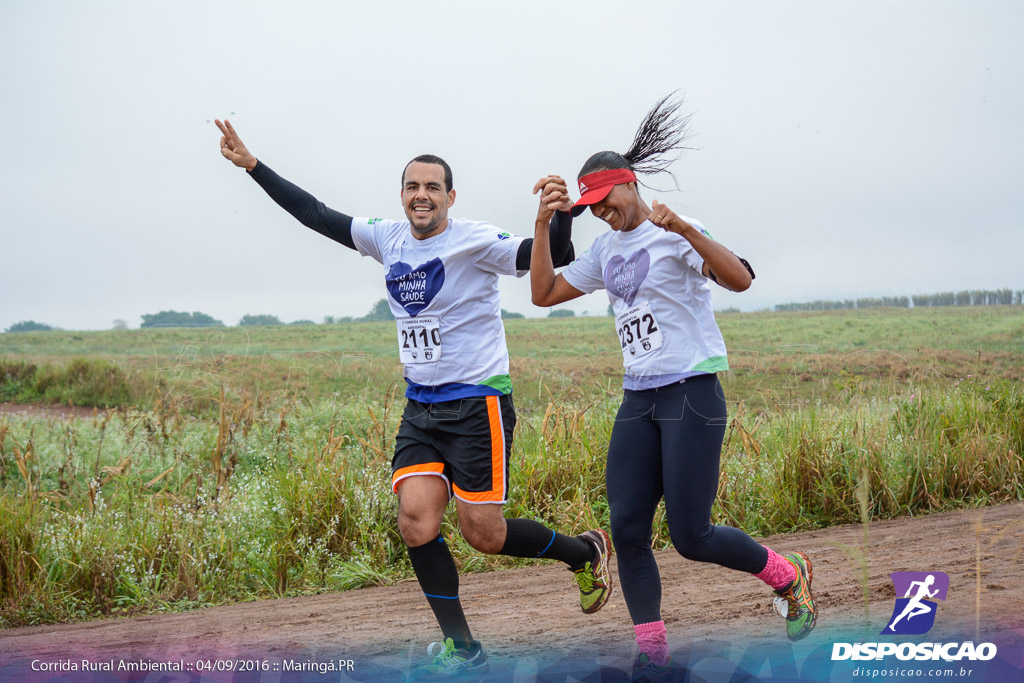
(846,149)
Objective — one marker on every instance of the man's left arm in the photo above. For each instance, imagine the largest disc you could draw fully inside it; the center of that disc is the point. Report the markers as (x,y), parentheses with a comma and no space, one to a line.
(559,239)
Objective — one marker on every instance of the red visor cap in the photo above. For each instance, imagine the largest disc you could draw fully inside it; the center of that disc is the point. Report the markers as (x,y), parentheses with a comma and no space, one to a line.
(595,186)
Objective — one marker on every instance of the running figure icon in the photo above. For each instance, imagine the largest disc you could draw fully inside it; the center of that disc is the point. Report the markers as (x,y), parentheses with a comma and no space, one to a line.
(916,606)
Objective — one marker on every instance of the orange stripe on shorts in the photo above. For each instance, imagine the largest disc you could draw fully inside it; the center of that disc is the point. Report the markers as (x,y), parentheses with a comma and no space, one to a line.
(426,468)
(497,492)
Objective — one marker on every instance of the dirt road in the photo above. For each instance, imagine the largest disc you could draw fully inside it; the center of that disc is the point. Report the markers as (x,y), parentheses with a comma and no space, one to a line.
(532,627)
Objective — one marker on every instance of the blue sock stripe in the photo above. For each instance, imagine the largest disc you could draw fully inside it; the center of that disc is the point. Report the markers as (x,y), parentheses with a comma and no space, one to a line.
(548,545)
(442,597)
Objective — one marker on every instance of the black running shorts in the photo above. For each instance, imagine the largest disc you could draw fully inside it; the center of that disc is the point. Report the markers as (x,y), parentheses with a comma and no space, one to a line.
(466,442)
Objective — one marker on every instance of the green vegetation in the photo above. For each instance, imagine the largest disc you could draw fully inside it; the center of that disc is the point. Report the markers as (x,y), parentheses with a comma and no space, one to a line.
(240,463)
(81,381)
(177,319)
(380,311)
(974,297)
(562,313)
(249,320)
(29,326)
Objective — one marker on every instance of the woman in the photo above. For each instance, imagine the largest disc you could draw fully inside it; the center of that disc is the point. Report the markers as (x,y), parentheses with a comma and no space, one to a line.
(668,433)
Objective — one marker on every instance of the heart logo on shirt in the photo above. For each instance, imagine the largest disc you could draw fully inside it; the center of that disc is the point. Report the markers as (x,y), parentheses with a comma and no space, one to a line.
(623,276)
(414,288)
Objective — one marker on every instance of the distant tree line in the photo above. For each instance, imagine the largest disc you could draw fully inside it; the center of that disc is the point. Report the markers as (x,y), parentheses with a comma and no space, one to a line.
(249,320)
(974,297)
(30,326)
(177,319)
(381,311)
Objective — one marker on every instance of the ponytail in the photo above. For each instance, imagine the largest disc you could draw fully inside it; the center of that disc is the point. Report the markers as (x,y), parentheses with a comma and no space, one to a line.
(661,132)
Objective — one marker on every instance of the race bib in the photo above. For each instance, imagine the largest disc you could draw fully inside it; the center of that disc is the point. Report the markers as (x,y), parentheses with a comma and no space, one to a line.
(638,331)
(419,339)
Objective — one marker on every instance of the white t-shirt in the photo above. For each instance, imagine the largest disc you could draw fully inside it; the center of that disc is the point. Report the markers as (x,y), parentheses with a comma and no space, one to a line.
(661,300)
(443,292)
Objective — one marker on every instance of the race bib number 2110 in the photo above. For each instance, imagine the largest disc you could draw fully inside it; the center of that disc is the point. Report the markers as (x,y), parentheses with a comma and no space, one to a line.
(419,339)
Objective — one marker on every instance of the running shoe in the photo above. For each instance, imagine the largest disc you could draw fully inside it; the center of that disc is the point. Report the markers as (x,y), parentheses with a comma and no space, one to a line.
(450,661)
(594,579)
(796,599)
(646,671)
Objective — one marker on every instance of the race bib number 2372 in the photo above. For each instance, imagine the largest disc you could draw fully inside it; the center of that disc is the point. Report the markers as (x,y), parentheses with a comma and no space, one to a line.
(638,331)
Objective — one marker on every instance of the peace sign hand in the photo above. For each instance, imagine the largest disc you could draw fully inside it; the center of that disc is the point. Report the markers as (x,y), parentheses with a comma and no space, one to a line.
(232,147)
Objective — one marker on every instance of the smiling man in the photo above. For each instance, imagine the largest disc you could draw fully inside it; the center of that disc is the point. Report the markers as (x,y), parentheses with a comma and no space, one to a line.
(455,437)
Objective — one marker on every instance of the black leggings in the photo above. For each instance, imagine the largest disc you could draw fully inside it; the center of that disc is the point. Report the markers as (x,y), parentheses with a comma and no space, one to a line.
(667,442)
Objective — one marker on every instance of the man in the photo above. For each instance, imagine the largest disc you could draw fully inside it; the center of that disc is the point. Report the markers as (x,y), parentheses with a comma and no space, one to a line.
(456,432)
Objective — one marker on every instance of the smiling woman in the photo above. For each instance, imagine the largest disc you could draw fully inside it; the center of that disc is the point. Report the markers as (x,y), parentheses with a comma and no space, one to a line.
(667,437)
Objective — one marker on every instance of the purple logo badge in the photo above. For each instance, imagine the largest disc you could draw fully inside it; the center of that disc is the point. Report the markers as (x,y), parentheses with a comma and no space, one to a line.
(914,613)
(623,277)
(414,289)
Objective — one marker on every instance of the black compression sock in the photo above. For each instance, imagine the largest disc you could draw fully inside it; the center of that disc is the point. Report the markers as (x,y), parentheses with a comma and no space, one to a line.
(439,580)
(527,538)
(470,647)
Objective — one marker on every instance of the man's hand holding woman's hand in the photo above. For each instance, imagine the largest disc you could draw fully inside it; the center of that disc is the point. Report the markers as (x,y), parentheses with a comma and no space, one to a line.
(554,196)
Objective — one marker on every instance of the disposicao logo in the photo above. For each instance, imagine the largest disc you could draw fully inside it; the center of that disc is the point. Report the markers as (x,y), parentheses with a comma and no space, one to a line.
(914,614)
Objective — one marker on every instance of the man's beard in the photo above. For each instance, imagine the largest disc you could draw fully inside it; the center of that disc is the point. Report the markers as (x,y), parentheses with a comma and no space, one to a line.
(433,225)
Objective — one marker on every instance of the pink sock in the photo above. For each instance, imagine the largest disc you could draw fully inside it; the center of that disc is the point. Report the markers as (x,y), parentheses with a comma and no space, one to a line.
(778,572)
(652,640)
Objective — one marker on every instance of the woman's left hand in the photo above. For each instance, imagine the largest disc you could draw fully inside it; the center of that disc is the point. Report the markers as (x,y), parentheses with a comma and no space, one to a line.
(719,263)
(666,219)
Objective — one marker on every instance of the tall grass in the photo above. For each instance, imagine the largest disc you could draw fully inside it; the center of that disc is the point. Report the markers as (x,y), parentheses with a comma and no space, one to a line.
(136,510)
(153,510)
(236,464)
(80,381)
(931,449)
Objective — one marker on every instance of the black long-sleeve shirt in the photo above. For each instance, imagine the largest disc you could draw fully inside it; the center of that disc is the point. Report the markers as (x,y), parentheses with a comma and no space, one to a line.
(337,226)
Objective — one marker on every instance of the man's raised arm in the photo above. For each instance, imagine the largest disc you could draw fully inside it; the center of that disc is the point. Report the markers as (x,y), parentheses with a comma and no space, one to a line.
(292,198)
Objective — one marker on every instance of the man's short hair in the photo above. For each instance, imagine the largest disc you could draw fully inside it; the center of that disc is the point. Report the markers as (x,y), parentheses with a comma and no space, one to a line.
(433,159)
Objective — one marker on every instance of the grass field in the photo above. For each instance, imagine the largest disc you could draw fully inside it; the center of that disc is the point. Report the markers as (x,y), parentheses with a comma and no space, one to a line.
(238,463)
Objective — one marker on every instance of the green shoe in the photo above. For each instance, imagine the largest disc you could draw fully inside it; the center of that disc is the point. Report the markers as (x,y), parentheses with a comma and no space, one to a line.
(449,661)
(646,671)
(594,579)
(800,611)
